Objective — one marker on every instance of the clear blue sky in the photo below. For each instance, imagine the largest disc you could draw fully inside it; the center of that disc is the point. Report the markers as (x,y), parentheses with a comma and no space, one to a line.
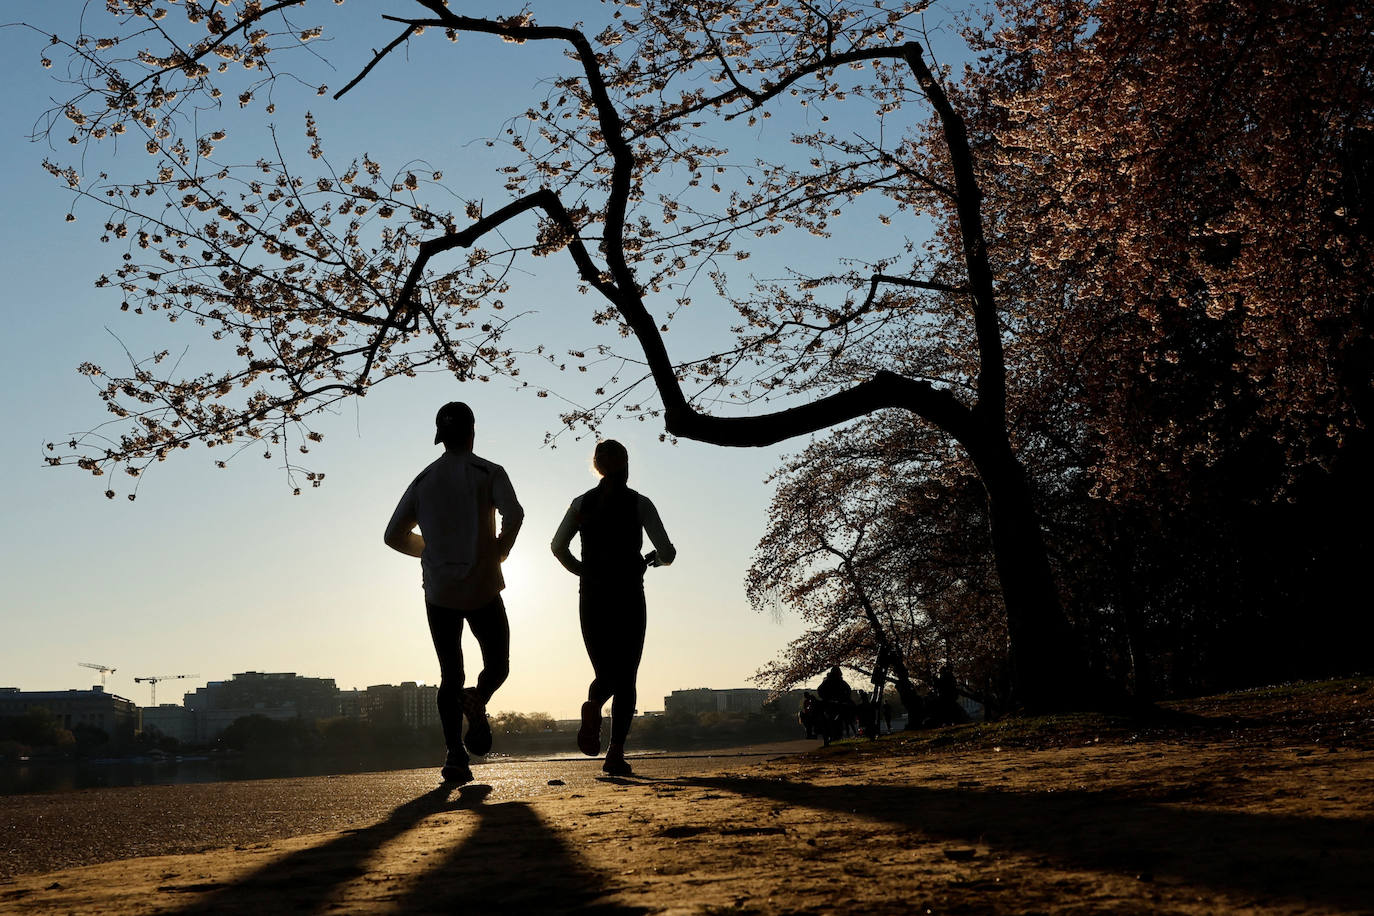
(213,572)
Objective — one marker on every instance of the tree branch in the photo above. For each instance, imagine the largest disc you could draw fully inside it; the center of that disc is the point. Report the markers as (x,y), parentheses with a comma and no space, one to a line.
(992,376)
(376,59)
(884,390)
(224,36)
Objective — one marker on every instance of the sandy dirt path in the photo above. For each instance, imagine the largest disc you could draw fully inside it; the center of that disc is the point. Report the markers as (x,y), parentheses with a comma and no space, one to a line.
(1246,807)
(1151,828)
(49,831)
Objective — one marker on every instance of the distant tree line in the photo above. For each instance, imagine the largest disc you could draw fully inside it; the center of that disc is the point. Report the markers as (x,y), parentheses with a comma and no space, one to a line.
(257,734)
(40,731)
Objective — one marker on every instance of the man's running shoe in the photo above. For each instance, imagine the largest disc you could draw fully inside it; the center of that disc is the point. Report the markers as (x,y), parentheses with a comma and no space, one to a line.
(617,765)
(477,739)
(456,770)
(589,735)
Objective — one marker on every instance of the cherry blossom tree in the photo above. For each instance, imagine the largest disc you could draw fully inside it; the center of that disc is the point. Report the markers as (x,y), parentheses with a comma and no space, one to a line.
(1182,208)
(1179,217)
(879,547)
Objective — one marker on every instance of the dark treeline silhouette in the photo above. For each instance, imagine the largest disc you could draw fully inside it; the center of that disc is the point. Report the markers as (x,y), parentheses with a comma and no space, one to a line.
(40,730)
(38,737)
(261,735)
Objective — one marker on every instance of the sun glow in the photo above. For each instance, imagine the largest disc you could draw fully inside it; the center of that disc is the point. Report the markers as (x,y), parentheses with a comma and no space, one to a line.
(534,581)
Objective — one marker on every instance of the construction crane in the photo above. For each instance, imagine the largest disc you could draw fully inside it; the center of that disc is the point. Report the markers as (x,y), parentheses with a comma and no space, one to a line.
(103,669)
(153,679)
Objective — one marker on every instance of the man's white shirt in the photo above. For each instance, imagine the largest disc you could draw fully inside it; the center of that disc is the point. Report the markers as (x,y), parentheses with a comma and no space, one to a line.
(452,501)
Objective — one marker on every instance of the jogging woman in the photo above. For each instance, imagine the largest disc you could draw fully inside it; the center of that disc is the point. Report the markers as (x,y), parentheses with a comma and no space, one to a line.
(611,520)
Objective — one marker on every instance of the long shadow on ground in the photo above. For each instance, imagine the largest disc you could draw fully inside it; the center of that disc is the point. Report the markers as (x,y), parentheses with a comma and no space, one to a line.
(512,863)
(1310,859)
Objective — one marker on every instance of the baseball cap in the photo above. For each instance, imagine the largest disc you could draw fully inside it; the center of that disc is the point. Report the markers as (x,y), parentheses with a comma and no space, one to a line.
(453,419)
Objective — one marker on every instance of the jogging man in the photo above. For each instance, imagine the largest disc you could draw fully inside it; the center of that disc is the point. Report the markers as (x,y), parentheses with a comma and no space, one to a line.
(612,520)
(454,502)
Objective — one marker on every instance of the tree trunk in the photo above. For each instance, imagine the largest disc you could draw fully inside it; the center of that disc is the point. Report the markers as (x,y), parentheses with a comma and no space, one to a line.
(906,691)
(1048,668)
(911,699)
(1121,554)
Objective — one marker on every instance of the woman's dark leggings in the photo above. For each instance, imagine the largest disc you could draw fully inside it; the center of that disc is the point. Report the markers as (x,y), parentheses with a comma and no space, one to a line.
(613,622)
(492,630)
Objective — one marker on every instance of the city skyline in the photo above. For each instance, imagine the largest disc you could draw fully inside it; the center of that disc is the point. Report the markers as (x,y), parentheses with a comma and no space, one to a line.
(356,688)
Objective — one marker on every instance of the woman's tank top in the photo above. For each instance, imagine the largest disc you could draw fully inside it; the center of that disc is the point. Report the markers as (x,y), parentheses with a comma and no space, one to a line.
(612,535)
